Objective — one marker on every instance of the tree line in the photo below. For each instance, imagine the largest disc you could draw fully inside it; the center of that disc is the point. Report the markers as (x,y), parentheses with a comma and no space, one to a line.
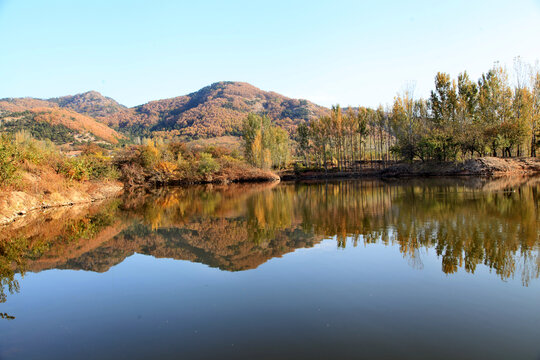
(461,119)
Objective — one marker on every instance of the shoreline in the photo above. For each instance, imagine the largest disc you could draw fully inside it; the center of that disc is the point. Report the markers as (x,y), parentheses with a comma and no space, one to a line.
(181,182)
(482,167)
(15,205)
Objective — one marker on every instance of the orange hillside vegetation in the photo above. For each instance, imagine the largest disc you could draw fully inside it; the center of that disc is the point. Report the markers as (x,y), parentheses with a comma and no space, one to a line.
(23,104)
(77,122)
(215,110)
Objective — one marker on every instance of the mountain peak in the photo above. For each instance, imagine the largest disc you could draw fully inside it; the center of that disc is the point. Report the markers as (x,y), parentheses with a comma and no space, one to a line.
(216,110)
(90,103)
(91,93)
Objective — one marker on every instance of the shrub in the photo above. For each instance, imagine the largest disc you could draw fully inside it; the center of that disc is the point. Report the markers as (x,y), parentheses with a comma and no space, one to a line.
(90,167)
(9,159)
(217,151)
(228,161)
(150,155)
(101,167)
(74,169)
(207,164)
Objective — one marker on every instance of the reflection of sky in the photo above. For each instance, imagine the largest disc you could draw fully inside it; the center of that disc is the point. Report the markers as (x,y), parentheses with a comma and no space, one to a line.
(329,301)
(314,301)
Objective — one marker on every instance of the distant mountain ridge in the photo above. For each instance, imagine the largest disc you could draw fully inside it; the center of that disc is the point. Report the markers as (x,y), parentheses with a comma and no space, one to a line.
(213,111)
(44,120)
(90,103)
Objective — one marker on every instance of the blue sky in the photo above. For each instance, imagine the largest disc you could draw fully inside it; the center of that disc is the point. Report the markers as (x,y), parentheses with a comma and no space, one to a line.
(347,52)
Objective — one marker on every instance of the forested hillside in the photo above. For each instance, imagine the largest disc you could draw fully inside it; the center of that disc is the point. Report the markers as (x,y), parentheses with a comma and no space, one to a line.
(90,103)
(215,110)
(463,118)
(58,125)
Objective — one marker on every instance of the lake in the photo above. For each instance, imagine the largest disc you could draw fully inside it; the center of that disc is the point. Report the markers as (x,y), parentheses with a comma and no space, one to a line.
(409,269)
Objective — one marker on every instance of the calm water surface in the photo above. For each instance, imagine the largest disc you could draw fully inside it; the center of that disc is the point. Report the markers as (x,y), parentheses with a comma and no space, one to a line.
(413,269)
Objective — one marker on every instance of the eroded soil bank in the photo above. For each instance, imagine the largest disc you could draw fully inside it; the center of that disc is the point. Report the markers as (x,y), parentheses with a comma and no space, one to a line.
(485,166)
(15,204)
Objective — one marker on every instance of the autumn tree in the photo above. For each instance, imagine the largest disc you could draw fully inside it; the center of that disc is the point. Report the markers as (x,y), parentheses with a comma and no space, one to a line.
(461,119)
(303,141)
(535,112)
(265,145)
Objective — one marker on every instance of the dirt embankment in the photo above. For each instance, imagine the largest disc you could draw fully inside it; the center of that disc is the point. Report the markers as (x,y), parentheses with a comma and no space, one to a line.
(486,166)
(14,204)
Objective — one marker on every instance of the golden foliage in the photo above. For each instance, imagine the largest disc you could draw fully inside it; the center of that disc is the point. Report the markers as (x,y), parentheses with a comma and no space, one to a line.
(166,167)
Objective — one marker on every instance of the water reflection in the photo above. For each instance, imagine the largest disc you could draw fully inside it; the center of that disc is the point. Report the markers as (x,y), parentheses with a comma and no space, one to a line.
(468,223)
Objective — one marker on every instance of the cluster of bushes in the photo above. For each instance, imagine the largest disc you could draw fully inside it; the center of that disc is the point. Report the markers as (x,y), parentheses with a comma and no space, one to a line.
(87,167)
(20,148)
(150,163)
(92,164)
(21,151)
(158,162)
(8,159)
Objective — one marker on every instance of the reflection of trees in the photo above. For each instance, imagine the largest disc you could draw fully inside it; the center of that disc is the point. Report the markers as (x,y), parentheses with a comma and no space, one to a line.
(47,238)
(6,316)
(11,251)
(233,228)
(466,227)
(343,209)
(239,227)
(176,206)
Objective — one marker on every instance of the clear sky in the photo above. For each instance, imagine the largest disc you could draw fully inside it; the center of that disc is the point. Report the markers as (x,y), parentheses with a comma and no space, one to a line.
(347,52)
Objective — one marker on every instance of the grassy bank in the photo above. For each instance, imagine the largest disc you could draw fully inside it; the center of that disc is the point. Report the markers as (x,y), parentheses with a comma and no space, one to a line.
(36,174)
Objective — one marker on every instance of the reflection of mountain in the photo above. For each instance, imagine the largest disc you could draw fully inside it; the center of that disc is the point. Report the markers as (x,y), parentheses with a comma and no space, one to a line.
(172,225)
(221,243)
(240,227)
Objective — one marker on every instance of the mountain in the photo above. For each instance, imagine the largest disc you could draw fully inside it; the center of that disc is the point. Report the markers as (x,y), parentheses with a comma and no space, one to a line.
(214,111)
(166,225)
(90,103)
(44,120)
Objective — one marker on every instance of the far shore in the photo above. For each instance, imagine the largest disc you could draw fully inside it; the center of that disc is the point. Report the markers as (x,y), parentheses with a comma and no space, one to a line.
(485,166)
